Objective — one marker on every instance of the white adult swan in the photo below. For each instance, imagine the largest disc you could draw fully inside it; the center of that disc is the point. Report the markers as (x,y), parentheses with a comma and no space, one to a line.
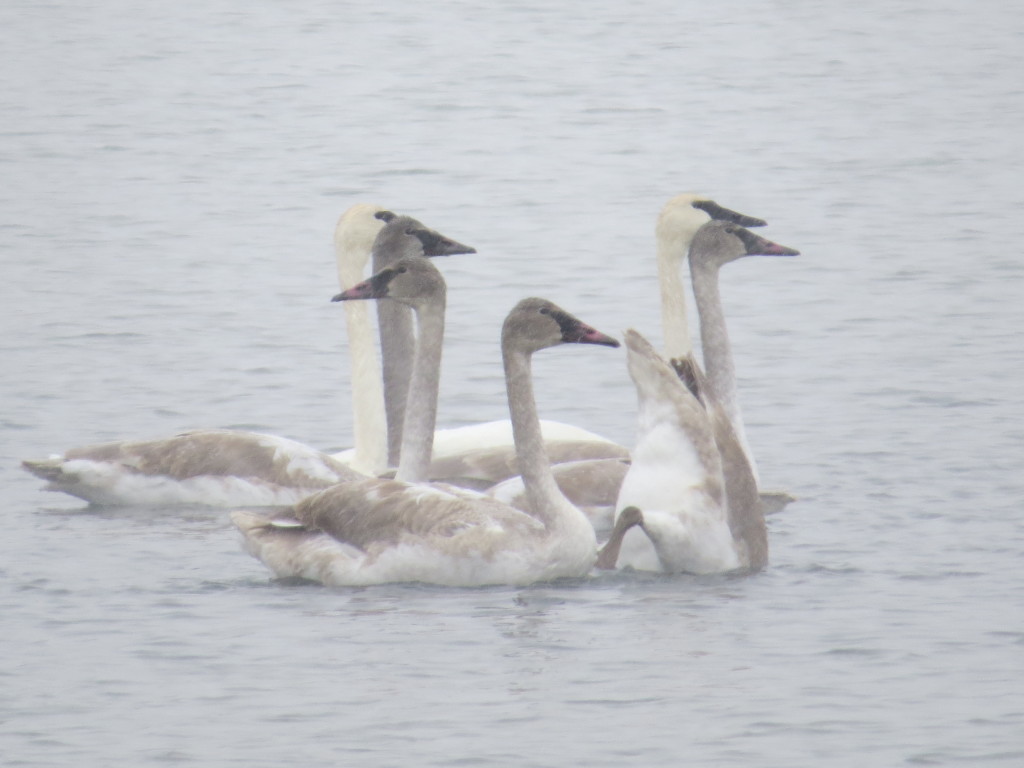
(689,475)
(232,468)
(354,235)
(595,484)
(677,224)
(378,531)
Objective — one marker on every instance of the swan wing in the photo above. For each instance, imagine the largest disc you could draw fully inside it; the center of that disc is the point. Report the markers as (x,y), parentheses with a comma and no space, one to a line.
(215,467)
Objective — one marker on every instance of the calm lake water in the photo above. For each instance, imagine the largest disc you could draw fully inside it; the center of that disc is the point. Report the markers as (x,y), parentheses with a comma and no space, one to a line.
(172,175)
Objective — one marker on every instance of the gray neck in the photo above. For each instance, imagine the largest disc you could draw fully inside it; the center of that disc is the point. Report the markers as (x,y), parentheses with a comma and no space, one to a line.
(718,361)
(542,491)
(714,338)
(397,345)
(421,406)
(397,348)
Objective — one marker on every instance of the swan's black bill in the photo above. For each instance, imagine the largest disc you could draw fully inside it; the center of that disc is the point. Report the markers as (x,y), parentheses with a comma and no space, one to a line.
(760,246)
(574,330)
(436,244)
(375,287)
(581,333)
(718,213)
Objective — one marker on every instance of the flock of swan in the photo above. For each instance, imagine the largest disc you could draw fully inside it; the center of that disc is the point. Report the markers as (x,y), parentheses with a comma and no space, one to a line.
(512,502)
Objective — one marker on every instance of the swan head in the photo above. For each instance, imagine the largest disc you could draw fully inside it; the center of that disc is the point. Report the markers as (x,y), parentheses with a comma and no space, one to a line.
(535,324)
(719,242)
(684,214)
(404,236)
(412,280)
(355,233)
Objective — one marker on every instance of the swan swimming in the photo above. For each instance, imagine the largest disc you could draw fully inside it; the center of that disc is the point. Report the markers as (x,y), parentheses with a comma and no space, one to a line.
(678,222)
(474,456)
(379,531)
(689,475)
(233,468)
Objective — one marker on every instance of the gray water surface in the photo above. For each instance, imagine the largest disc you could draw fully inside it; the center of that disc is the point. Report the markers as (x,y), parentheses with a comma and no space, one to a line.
(172,175)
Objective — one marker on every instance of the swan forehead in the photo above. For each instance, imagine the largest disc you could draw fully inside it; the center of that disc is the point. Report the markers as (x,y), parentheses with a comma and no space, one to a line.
(360,221)
(679,219)
(684,200)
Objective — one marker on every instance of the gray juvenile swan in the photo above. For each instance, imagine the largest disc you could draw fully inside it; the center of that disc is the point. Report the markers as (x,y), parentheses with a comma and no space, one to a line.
(715,245)
(212,467)
(477,455)
(378,531)
(593,480)
(402,237)
(689,476)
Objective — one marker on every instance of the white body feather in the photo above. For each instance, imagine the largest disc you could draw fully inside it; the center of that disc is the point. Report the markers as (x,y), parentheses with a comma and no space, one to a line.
(675,478)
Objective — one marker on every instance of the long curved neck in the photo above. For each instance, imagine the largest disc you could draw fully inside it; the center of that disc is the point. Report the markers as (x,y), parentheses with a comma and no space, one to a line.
(545,498)
(674,323)
(714,337)
(421,406)
(718,360)
(397,348)
(368,425)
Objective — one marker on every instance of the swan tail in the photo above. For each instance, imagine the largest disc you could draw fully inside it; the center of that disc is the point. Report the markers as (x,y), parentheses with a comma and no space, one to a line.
(51,470)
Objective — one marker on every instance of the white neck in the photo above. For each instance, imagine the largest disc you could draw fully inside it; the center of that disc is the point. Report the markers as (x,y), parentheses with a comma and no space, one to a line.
(674,323)
(368,425)
(421,406)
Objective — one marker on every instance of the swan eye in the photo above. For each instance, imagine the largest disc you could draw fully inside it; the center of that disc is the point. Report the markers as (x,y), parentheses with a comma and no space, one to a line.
(401,270)
(544,310)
